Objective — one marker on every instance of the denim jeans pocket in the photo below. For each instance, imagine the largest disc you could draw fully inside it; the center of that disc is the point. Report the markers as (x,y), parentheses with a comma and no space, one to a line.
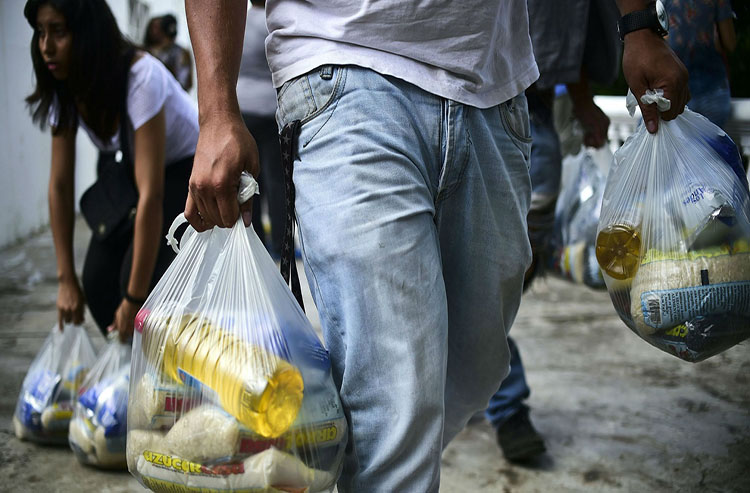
(311,98)
(514,114)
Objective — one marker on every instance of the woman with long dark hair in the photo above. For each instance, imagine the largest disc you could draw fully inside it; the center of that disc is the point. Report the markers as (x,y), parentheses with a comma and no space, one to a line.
(89,76)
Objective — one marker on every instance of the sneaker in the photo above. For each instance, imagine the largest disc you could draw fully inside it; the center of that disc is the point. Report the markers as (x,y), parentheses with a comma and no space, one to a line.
(518,439)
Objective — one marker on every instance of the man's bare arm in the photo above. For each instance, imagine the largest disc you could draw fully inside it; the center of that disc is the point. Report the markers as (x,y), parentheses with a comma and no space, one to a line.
(649,63)
(225,147)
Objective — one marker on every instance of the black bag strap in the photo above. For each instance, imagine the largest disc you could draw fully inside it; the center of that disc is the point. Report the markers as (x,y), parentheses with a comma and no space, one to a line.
(288,139)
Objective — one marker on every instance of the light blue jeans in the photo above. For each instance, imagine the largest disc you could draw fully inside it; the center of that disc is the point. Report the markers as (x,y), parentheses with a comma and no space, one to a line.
(412,214)
(545,170)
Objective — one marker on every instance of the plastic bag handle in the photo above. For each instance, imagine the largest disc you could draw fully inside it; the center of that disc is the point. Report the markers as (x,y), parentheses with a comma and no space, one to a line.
(248,188)
(649,97)
(171,240)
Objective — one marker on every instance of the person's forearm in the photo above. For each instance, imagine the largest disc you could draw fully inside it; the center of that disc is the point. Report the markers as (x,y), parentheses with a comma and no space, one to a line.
(727,36)
(216,32)
(146,242)
(580,92)
(62,216)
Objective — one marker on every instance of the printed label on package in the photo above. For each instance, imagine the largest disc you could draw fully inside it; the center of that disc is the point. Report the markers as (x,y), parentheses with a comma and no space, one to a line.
(670,307)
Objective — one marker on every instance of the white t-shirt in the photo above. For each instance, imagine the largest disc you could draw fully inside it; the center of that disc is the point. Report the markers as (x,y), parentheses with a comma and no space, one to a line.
(477,52)
(255,91)
(152,87)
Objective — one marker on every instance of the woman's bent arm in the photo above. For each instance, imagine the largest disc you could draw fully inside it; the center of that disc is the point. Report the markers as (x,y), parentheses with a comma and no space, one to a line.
(149,156)
(70,300)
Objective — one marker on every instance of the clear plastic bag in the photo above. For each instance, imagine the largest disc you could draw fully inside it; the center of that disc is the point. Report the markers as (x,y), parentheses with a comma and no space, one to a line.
(584,177)
(49,390)
(99,425)
(674,237)
(231,389)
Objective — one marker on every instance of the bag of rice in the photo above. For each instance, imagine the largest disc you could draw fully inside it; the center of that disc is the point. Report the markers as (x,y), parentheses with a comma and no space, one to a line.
(577,217)
(99,425)
(48,393)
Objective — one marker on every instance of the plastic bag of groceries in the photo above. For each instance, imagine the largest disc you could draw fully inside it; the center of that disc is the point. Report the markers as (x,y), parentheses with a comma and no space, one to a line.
(584,177)
(48,393)
(674,236)
(99,424)
(230,388)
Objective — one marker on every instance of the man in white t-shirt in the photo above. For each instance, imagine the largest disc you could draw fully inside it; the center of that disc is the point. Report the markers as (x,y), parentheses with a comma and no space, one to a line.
(412,189)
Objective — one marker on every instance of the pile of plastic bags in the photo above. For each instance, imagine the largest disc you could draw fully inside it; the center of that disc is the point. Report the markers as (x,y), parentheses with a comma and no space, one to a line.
(230,387)
(674,237)
(99,425)
(49,391)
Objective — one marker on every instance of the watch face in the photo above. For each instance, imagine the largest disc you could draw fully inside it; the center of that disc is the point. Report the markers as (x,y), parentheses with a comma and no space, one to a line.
(661,15)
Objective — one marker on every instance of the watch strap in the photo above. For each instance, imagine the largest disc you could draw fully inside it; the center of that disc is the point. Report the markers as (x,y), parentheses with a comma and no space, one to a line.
(639,19)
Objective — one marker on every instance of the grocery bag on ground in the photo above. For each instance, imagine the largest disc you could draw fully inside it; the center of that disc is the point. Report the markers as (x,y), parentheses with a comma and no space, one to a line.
(230,387)
(573,255)
(49,390)
(674,236)
(99,424)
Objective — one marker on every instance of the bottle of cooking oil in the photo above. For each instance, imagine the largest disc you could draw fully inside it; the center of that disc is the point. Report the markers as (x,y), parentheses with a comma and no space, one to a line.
(263,391)
(618,250)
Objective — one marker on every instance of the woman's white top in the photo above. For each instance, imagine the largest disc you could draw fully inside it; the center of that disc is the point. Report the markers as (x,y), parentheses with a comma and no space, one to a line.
(152,87)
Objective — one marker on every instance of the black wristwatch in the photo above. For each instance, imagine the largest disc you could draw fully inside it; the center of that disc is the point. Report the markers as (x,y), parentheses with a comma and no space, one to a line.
(654,18)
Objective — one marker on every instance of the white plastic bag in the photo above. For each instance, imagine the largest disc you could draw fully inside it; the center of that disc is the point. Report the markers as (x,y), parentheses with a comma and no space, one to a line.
(48,393)
(231,388)
(584,177)
(99,425)
(674,237)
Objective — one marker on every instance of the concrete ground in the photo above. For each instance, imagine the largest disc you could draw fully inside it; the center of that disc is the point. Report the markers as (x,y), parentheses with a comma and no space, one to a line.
(617,414)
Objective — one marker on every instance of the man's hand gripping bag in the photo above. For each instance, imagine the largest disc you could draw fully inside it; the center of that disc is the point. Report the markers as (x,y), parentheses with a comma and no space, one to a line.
(231,389)
(673,240)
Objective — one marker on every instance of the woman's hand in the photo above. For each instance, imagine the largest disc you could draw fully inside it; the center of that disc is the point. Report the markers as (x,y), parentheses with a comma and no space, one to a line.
(124,321)
(70,303)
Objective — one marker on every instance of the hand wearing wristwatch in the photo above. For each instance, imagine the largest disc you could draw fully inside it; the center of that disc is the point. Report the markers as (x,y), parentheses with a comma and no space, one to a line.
(654,18)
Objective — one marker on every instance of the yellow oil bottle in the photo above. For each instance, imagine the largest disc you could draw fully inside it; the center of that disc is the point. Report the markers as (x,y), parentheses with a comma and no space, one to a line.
(618,251)
(263,391)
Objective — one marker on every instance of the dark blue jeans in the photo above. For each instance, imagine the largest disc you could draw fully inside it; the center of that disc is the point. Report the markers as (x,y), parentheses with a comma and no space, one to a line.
(508,400)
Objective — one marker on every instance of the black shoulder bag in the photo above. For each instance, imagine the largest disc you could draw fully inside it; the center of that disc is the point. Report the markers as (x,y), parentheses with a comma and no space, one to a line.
(109,205)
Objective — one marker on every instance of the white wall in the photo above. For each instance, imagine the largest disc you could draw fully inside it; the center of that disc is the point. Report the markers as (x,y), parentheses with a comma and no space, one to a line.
(24,149)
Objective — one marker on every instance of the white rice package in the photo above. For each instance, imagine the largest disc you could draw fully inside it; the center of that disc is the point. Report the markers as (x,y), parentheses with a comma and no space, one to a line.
(99,425)
(48,393)
(231,389)
(673,240)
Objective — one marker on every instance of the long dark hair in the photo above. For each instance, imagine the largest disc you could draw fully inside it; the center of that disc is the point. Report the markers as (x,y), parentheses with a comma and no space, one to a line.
(99,64)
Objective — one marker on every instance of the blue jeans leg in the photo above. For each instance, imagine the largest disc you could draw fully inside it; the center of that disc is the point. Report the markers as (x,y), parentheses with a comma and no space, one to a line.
(412,223)
(508,400)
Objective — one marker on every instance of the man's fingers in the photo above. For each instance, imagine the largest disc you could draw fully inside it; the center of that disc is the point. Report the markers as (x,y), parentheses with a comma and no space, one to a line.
(191,214)
(198,214)
(650,116)
(246,210)
(228,207)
